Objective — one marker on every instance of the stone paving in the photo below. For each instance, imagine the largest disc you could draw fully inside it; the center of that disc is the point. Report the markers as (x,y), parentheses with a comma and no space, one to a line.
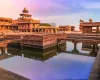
(95,73)
(7,75)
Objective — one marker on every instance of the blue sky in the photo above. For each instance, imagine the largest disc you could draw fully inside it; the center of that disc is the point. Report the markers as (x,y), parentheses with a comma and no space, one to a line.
(62,12)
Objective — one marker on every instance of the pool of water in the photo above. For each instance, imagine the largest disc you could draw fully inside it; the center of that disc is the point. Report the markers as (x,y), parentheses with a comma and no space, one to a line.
(58,66)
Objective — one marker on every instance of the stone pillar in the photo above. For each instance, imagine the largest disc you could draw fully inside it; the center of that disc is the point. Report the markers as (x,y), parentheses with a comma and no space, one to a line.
(46,30)
(34,30)
(97,30)
(93,52)
(0,27)
(56,31)
(38,30)
(6,50)
(75,48)
(83,30)
(75,45)
(50,30)
(53,30)
(3,28)
(43,30)
(31,26)
(91,29)
(22,55)
(0,51)
(8,27)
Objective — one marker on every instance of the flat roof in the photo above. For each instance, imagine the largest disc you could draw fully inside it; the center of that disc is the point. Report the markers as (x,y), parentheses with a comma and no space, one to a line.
(3,18)
(90,24)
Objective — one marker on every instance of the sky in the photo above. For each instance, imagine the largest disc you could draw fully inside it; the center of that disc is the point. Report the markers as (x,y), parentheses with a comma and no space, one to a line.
(61,12)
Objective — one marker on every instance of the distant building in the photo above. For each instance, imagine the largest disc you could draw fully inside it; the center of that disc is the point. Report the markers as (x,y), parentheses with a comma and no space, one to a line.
(66,28)
(89,27)
(7,24)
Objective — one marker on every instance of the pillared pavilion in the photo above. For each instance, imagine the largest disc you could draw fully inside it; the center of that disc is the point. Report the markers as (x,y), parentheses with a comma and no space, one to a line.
(89,27)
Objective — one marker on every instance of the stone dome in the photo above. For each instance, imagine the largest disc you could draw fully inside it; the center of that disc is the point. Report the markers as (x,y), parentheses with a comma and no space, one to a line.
(25,10)
(81,20)
(90,20)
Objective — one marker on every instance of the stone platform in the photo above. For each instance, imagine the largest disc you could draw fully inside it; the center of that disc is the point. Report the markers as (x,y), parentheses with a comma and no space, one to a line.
(41,41)
(95,73)
(7,75)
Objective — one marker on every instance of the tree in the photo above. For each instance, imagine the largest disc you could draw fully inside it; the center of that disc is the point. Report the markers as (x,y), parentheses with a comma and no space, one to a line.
(53,24)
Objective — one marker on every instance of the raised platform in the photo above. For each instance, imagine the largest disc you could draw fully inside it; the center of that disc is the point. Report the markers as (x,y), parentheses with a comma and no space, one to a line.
(34,40)
(42,40)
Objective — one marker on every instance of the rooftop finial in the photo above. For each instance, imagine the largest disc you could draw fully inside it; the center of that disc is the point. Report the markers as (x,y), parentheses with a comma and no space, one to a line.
(90,20)
(25,10)
(81,20)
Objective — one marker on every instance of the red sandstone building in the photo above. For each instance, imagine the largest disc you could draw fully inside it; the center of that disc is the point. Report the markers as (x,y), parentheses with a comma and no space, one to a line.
(66,28)
(25,24)
(89,27)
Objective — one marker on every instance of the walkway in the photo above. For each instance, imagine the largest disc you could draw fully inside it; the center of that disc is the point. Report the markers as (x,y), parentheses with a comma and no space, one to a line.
(95,73)
(7,75)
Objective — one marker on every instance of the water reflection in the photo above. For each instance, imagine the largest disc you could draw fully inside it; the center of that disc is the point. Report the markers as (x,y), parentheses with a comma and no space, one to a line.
(89,49)
(55,63)
(75,48)
(37,54)
(42,55)
(4,54)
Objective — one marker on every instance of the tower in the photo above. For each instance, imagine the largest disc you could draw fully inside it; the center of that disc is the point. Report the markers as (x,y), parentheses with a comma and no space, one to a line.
(26,23)
(25,14)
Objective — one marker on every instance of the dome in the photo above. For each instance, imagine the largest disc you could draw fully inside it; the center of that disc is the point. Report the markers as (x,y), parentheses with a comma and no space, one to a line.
(25,10)
(90,20)
(81,20)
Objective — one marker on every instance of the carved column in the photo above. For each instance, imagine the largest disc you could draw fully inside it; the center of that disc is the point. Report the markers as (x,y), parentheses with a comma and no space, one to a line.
(0,51)
(75,47)
(6,50)
(0,27)
(31,26)
(34,30)
(97,29)
(38,30)
(91,29)
(93,52)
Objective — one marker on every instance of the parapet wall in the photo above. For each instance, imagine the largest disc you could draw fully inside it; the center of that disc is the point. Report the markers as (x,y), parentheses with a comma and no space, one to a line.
(35,39)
